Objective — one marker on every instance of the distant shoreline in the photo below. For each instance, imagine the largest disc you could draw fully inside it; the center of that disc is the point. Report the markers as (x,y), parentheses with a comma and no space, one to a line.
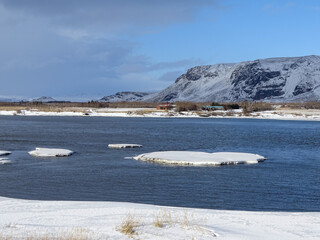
(277,114)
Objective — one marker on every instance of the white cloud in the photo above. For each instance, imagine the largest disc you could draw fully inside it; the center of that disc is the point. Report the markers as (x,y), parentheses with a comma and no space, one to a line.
(63,47)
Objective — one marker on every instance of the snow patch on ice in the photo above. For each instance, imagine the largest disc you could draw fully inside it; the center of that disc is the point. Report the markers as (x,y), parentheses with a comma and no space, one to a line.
(4,153)
(4,161)
(124,145)
(200,158)
(51,152)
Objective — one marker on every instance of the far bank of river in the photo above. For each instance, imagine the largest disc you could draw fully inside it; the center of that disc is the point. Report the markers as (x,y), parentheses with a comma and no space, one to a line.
(277,114)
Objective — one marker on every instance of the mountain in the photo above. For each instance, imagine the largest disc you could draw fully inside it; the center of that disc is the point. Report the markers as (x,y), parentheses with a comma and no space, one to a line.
(125,96)
(44,100)
(7,99)
(272,79)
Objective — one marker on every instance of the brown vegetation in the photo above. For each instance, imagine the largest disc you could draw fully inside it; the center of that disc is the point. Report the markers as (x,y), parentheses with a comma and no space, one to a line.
(75,234)
(180,106)
(256,107)
(303,105)
(128,226)
(189,106)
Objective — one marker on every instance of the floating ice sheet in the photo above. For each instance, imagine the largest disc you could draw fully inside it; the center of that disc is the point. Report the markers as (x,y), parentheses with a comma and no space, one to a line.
(200,158)
(124,145)
(51,152)
(4,161)
(4,153)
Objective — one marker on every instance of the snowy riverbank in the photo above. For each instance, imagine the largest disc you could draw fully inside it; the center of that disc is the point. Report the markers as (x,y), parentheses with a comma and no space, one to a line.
(21,219)
(279,114)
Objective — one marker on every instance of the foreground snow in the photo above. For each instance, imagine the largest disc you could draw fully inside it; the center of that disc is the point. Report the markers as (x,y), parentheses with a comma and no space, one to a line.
(200,158)
(51,152)
(124,145)
(26,219)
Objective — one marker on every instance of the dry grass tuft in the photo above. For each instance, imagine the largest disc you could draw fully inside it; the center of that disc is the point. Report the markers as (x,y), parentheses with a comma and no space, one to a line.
(162,218)
(128,225)
(165,217)
(186,221)
(157,222)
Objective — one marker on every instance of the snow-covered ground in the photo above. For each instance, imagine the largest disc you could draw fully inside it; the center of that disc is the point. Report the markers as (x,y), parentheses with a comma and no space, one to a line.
(279,114)
(28,219)
(200,158)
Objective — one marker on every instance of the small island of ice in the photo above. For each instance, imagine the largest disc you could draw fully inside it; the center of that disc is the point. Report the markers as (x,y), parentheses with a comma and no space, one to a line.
(200,158)
(4,161)
(4,153)
(51,152)
(124,145)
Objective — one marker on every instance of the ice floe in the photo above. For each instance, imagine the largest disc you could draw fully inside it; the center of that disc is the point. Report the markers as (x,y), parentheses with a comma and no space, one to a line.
(4,161)
(124,145)
(4,153)
(51,152)
(200,158)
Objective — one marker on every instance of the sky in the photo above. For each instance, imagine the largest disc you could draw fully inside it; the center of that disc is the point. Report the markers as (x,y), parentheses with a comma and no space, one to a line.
(86,49)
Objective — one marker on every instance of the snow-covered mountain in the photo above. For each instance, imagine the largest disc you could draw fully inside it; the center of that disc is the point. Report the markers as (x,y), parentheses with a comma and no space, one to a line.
(44,100)
(125,96)
(8,99)
(272,79)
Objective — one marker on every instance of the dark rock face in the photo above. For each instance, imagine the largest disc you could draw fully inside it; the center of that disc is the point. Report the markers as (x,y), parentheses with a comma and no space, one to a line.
(303,88)
(267,93)
(194,74)
(252,75)
(256,82)
(124,96)
(169,97)
(183,76)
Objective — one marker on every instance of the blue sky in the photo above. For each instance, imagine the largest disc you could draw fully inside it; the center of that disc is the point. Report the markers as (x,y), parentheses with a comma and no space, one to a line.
(82,50)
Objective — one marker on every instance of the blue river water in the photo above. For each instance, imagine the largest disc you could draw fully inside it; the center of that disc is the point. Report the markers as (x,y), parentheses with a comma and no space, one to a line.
(288,181)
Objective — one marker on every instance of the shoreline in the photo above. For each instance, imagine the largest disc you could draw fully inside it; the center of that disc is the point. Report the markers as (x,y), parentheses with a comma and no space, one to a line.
(277,114)
(22,219)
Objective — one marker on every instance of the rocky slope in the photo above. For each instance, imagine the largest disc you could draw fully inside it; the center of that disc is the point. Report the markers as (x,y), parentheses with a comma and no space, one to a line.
(272,79)
(44,99)
(125,96)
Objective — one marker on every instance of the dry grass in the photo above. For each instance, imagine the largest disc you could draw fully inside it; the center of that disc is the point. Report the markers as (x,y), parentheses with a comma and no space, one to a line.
(303,105)
(143,112)
(189,106)
(162,218)
(4,237)
(128,226)
(165,218)
(157,222)
(75,234)
(256,107)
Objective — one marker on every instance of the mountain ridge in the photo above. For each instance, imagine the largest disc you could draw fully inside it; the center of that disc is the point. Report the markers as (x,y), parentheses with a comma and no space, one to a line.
(283,79)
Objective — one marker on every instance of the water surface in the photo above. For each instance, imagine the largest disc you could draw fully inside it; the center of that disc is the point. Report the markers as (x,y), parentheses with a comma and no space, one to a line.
(288,181)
